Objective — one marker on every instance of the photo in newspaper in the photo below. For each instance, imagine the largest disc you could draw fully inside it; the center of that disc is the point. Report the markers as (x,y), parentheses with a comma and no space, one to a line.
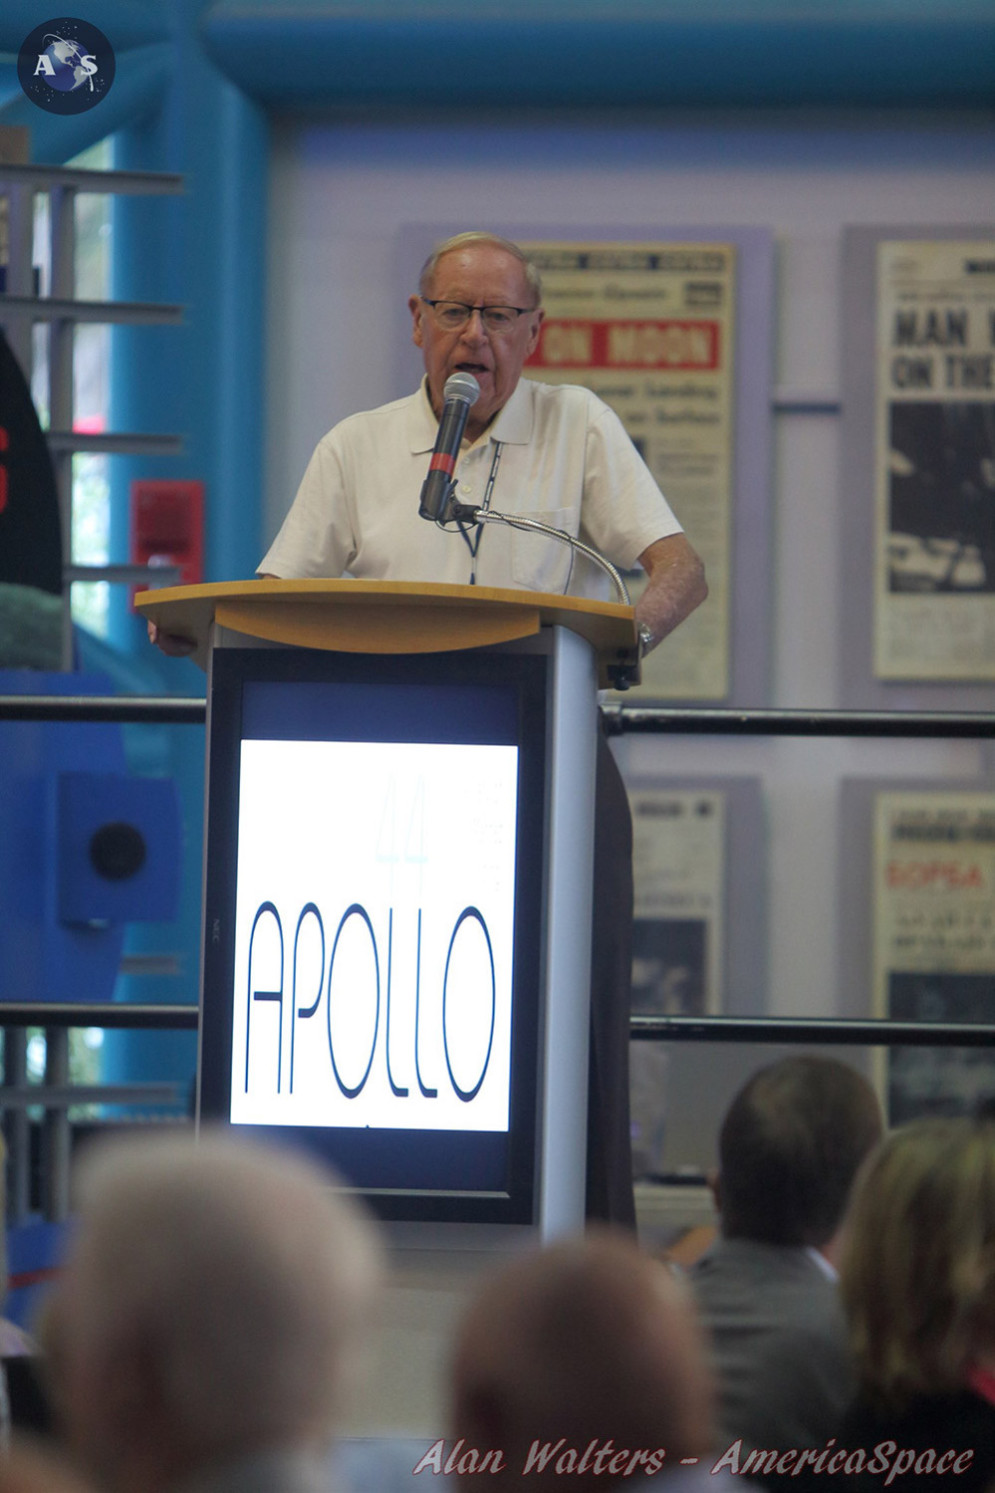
(649,327)
(679,867)
(935,460)
(934,943)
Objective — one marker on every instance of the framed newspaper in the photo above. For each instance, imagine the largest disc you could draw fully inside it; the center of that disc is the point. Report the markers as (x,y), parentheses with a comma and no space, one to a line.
(927,941)
(918,467)
(673,327)
(699,943)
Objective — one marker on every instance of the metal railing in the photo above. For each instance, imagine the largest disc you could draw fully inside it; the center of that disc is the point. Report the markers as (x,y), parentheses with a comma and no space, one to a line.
(619,720)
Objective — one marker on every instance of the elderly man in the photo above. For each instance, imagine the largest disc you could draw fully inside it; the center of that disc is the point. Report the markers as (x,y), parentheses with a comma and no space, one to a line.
(790,1146)
(580,1366)
(555,453)
(204,1328)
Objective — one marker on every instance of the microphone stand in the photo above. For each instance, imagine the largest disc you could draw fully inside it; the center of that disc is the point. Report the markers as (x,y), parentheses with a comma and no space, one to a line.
(467,513)
(621,675)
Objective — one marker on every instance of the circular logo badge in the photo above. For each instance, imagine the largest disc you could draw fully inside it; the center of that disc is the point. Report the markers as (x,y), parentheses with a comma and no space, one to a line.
(66,66)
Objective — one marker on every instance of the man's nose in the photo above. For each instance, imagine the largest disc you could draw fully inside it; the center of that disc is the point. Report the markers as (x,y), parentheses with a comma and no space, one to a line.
(474,329)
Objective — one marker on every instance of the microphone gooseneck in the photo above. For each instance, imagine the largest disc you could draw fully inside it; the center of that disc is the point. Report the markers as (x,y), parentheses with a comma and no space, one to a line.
(460,392)
(468,513)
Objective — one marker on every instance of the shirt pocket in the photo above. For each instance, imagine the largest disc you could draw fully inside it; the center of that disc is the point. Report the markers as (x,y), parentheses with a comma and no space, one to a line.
(539,562)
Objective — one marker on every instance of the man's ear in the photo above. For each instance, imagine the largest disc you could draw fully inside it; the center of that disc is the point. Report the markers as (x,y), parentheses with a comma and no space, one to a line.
(417,312)
(538,317)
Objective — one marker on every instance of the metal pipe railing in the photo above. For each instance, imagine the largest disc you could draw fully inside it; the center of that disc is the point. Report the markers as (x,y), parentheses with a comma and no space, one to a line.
(119,709)
(829,1031)
(622,720)
(619,720)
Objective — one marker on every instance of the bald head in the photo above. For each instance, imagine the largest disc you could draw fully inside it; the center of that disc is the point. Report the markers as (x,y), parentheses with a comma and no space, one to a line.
(209,1308)
(587,1340)
(30,1468)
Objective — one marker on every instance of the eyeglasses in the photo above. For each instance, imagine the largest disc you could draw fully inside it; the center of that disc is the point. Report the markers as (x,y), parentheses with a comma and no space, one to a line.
(452,315)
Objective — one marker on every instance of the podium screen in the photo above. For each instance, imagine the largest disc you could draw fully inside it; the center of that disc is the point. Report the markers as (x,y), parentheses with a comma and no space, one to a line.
(373,912)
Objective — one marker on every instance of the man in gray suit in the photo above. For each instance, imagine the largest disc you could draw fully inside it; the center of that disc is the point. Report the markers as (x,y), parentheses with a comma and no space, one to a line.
(790,1145)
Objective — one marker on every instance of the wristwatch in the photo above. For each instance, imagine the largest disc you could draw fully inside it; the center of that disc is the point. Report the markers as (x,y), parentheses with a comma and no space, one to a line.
(645,639)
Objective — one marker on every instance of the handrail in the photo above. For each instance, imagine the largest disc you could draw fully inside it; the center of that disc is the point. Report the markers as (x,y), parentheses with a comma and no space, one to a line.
(122,709)
(650,719)
(618,719)
(126,1015)
(860,1032)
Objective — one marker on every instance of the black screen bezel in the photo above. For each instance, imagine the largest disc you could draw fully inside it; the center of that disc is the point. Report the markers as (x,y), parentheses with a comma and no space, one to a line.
(418,1176)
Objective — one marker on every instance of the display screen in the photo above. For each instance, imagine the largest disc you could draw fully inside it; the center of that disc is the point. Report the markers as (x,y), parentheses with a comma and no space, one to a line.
(373,912)
(374,926)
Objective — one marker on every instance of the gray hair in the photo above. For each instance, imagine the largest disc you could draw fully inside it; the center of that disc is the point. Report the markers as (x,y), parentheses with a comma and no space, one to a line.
(467,241)
(238,1266)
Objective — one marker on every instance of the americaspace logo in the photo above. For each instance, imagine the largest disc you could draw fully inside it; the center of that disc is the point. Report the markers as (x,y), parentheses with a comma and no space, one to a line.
(66,66)
(374,935)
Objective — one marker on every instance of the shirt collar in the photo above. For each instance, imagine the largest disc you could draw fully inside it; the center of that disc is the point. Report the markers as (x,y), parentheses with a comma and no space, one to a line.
(514,421)
(512,424)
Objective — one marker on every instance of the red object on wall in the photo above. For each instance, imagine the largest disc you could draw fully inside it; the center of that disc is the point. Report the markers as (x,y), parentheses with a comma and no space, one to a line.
(167,527)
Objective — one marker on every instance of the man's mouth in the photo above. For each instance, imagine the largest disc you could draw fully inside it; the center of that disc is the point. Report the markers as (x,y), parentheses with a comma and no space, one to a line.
(477,369)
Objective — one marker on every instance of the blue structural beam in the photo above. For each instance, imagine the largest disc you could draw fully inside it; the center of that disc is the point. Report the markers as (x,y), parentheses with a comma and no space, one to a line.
(125,23)
(171,110)
(583,53)
(142,77)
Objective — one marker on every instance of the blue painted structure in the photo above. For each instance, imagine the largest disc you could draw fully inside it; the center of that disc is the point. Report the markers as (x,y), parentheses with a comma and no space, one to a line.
(598,53)
(84,850)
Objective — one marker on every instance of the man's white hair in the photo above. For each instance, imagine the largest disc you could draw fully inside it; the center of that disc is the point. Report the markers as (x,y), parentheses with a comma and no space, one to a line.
(472,239)
(237,1267)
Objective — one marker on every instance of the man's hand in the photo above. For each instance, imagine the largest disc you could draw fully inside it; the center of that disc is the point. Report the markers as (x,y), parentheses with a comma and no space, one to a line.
(676,586)
(172,643)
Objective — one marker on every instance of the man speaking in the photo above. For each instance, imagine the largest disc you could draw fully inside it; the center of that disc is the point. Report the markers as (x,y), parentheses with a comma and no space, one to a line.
(551,453)
(554,453)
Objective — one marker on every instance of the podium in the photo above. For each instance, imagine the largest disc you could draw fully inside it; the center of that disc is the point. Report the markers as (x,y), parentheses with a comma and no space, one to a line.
(397,909)
(396,918)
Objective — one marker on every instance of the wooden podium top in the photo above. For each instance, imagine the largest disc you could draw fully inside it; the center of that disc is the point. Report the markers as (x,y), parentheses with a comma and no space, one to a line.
(350,616)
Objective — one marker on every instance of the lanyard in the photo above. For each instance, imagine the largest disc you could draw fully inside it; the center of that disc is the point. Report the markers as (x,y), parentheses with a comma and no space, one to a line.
(474,543)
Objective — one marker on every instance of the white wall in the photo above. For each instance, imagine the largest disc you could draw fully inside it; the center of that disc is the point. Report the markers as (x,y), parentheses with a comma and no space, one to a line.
(343,192)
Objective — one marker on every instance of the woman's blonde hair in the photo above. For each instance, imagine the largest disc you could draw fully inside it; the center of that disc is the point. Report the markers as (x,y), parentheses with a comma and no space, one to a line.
(918,1269)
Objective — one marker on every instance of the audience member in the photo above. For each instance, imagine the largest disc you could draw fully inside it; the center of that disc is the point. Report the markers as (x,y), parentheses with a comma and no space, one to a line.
(789,1148)
(918,1287)
(208,1316)
(29,1467)
(579,1366)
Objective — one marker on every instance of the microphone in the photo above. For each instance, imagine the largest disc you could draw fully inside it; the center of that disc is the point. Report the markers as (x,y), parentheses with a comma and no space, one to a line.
(460,392)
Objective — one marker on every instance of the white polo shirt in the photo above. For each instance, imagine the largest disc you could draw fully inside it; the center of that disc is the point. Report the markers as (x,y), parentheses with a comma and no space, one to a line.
(565,459)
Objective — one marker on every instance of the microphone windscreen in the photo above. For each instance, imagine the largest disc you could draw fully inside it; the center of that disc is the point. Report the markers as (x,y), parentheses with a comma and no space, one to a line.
(462,386)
